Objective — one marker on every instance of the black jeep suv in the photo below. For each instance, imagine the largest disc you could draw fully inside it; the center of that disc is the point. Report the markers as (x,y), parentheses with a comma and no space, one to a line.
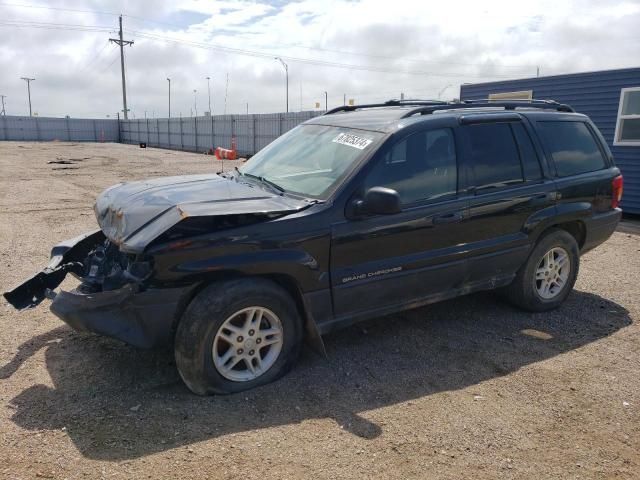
(361,212)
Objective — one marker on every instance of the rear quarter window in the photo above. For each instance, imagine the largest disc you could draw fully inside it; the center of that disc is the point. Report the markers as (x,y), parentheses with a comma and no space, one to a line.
(572,147)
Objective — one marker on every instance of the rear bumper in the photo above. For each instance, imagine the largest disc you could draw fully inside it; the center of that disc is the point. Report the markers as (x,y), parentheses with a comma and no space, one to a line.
(143,319)
(600,227)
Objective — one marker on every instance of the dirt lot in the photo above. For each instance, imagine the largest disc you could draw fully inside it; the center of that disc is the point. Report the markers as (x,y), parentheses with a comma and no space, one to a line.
(470,388)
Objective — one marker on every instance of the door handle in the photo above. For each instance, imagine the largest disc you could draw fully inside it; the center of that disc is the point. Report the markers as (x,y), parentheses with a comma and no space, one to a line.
(548,196)
(453,217)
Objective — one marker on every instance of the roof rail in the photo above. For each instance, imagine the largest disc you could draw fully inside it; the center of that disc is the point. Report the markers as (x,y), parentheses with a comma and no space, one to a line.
(484,103)
(388,103)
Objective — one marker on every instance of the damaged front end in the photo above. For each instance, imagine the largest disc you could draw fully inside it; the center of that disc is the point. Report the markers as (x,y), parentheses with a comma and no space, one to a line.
(117,295)
(112,298)
(66,257)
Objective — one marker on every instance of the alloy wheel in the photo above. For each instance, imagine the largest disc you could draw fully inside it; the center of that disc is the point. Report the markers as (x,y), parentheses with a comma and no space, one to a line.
(552,273)
(247,344)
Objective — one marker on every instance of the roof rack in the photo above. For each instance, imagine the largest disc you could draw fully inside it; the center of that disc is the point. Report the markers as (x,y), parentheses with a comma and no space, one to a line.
(486,103)
(388,103)
(430,106)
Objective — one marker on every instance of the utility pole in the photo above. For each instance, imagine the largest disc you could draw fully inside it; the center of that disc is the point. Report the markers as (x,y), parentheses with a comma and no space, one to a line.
(326,101)
(344,99)
(3,112)
(122,43)
(28,80)
(247,108)
(169,80)
(286,72)
(209,92)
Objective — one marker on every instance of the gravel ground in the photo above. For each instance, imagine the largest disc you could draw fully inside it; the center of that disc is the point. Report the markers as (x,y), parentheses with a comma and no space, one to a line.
(469,388)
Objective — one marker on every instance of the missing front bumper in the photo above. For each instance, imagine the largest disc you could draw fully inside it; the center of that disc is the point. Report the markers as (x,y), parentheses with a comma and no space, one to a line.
(66,257)
(143,319)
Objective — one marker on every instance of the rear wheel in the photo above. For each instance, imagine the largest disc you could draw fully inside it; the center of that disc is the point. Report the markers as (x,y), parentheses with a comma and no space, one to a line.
(237,335)
(547,278)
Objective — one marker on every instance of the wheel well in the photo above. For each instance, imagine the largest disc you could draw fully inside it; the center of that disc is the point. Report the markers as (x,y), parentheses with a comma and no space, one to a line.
(283,281)
(290,285)
(309,329)
(576,229)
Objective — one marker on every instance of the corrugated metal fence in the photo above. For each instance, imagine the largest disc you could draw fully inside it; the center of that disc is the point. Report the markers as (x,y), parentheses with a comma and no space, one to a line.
(195,134)
(63,129)
(198,134)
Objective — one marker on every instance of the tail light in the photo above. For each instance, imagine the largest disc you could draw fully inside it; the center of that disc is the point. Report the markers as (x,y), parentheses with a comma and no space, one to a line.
(616,194)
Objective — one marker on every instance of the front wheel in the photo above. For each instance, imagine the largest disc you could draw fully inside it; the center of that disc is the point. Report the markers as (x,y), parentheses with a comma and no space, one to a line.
(545,281)
(237,335)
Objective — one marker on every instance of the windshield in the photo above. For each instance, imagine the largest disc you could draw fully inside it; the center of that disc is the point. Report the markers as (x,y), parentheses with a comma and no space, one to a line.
(311,159)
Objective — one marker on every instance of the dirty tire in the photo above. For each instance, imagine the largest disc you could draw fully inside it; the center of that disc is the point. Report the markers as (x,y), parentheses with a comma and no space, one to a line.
(522,292)
(205,315)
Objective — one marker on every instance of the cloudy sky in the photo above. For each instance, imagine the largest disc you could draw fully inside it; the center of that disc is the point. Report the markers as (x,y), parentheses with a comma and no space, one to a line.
(368,50)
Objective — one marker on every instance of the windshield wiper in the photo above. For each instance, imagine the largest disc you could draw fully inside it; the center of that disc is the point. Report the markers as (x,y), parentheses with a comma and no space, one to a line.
(263,180)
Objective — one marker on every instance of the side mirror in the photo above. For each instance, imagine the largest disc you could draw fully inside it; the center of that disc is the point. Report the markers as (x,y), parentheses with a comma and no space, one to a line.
(378,201)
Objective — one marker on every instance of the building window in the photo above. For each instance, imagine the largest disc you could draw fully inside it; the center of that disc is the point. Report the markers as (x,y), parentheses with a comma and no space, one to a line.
(521,95)
(628,124)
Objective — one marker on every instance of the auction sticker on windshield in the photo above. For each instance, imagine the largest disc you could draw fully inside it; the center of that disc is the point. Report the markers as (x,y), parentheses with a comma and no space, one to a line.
(353,141)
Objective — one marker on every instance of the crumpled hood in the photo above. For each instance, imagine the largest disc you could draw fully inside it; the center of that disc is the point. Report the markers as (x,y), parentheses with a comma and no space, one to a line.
(133,214)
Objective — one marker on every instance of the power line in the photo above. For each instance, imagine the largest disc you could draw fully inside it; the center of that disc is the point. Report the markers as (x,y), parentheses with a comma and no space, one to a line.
(94,12)
(55,26)
(326,63)
(115,57)
(95,58)
(385,57)
(255,53)
(60,9)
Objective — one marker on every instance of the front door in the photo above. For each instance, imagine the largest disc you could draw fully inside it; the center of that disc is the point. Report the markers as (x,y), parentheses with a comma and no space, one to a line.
(384,262)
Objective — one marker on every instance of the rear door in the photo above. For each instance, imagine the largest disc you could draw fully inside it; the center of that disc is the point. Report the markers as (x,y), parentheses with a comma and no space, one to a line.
(507,185)
(387,261)
(583,165)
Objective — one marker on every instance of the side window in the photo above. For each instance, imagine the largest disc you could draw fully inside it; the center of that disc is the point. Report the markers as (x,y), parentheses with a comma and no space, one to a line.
(572,147)
(419,167)
(494,155)
(528,155)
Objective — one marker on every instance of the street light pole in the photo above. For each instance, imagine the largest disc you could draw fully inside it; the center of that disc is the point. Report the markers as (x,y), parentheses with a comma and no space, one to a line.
(28,80)
(169,80)
(326,101)
(209,92)
(195,101)
(443,90)
(286,71)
